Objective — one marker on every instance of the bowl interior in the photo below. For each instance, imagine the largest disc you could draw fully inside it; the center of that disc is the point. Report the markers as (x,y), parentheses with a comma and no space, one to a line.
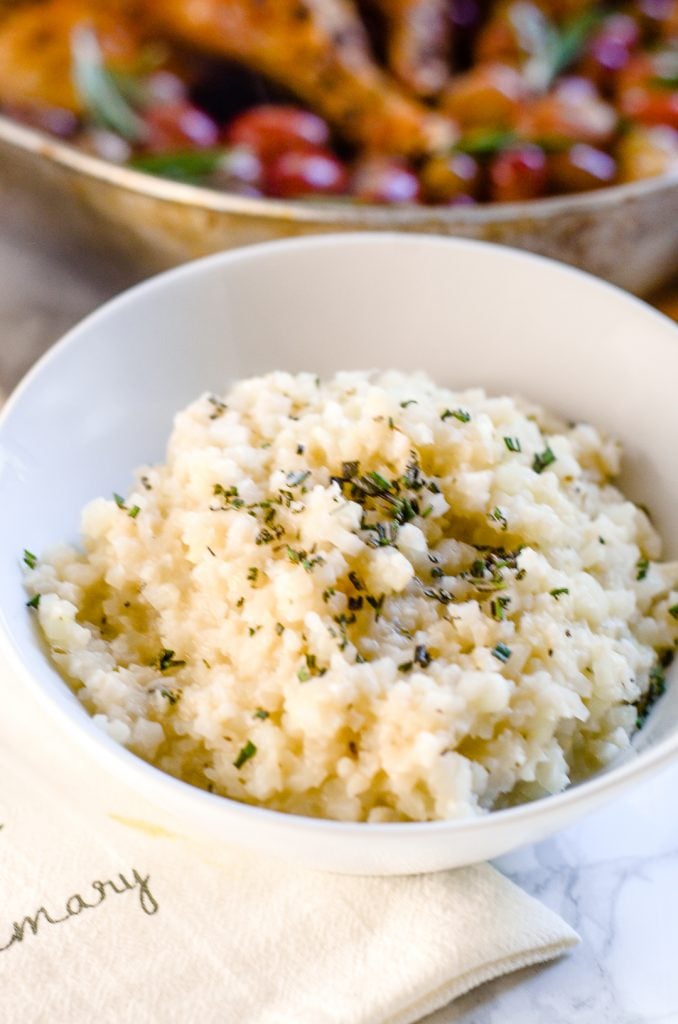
(469,314)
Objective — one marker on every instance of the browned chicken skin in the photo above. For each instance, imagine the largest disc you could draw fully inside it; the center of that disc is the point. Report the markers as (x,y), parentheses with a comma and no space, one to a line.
(418,43)
(316,48)
(35,47)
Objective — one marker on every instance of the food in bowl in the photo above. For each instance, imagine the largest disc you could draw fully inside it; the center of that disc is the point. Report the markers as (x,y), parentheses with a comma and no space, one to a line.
(428,101)
(369,599)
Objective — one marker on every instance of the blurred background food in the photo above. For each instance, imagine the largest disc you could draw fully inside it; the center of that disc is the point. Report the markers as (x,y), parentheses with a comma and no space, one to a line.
(383,101)
(148,132)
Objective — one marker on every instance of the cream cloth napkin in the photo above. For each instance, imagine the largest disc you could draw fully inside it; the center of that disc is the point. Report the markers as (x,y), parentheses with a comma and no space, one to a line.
(105,919)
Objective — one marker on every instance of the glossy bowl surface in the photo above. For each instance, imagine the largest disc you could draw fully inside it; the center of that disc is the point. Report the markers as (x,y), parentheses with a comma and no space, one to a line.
(102,401)
(627,234)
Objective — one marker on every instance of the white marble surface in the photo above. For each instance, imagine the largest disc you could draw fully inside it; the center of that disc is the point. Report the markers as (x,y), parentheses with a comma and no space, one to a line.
(614,877)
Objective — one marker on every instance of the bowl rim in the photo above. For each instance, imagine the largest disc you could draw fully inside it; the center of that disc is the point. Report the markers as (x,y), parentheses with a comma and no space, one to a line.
(335,212)
(609,781)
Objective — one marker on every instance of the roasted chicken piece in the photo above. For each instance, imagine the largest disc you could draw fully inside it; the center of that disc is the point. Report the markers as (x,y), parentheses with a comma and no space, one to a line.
(418,43)
(317,49)
(35,47)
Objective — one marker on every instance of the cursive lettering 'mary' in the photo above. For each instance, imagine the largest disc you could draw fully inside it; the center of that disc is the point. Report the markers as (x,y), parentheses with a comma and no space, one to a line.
(77,904)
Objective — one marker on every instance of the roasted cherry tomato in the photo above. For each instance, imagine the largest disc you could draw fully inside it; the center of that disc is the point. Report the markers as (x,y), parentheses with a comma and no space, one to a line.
(178,125)
(385,180)
(296,173)
(518,173)
(270,130)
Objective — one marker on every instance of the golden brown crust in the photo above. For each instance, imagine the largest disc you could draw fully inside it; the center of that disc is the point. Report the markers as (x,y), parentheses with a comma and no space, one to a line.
(317,49)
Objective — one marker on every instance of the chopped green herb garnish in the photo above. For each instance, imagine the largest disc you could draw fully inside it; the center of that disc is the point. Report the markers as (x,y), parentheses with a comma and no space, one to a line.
(558,591)
(542,460)
(656,687)
(498,516)
(295,479)
(498,606)
(502,653)
(300,449)
(134,512)
(377,603)
(458,414)
(642,566)
(260,713)
(303,675)
(410,401)
(248,751)
(422,656)
(279,628)
(30,559)
(427,512)
(34,601)
(171,695)
(327,594)
(380,481)
(406,666)
(119,501)
(513,444)
(356,581)
(673,611)
(167,660)
(252,574)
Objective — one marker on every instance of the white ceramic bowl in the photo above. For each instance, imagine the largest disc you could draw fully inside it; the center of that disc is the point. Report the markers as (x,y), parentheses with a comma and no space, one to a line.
(102,402)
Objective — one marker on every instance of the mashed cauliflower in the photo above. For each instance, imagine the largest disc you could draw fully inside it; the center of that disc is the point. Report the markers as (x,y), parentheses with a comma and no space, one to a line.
(369,599)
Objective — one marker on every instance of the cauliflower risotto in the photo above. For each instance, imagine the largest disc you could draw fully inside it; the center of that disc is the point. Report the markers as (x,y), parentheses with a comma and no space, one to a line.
(369,599)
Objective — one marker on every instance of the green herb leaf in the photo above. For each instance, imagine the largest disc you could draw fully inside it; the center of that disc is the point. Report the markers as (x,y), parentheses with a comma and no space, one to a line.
(295,479)
(260,713)
(248,751)
(673,611)
(498,516)
(542,460)
(485,142)
(380,481)
(513,444)
(30,559)
(191,167)
(422,656)
(98,89)
(498,606)
(134,512)
(642,566)
(502,653)
(167,660)
(558,591)
(119,501)
(34,601)
(459,414)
